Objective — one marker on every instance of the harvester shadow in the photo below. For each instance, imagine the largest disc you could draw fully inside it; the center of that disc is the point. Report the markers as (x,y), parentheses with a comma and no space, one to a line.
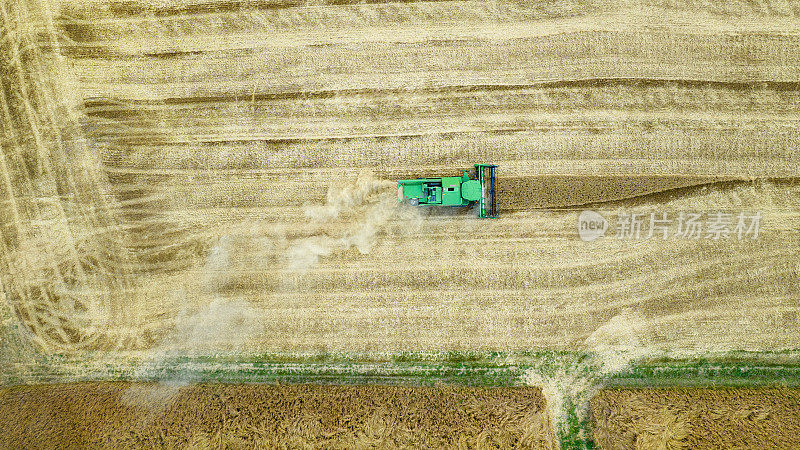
(442,212)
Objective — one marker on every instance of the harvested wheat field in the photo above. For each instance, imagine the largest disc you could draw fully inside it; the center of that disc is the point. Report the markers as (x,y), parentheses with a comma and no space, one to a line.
(189,177)
(164,159)
(125,415)
(697,418)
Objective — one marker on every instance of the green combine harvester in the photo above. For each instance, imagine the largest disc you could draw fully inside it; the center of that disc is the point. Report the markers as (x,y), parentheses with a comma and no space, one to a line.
(454,191)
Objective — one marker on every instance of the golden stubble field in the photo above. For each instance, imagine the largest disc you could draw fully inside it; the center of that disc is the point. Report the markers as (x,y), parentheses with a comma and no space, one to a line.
(207,175)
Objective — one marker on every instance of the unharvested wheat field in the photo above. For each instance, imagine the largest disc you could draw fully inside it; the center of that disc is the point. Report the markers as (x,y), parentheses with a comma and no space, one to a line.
(697,418)
(126,415)
(205,176)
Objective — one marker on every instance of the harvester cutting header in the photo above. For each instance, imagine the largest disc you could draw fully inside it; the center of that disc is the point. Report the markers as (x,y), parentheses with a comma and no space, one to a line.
(454,191)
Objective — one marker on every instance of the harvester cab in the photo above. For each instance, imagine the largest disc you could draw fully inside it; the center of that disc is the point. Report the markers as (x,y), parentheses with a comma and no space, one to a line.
(454,191)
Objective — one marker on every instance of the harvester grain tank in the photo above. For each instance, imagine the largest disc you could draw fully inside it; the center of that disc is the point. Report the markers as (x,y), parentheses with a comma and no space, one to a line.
(460,191)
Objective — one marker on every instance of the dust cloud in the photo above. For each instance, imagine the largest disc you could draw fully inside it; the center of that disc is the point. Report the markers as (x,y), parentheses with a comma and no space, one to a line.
(223,325)
(370,200)
(346,197)
(226,324)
